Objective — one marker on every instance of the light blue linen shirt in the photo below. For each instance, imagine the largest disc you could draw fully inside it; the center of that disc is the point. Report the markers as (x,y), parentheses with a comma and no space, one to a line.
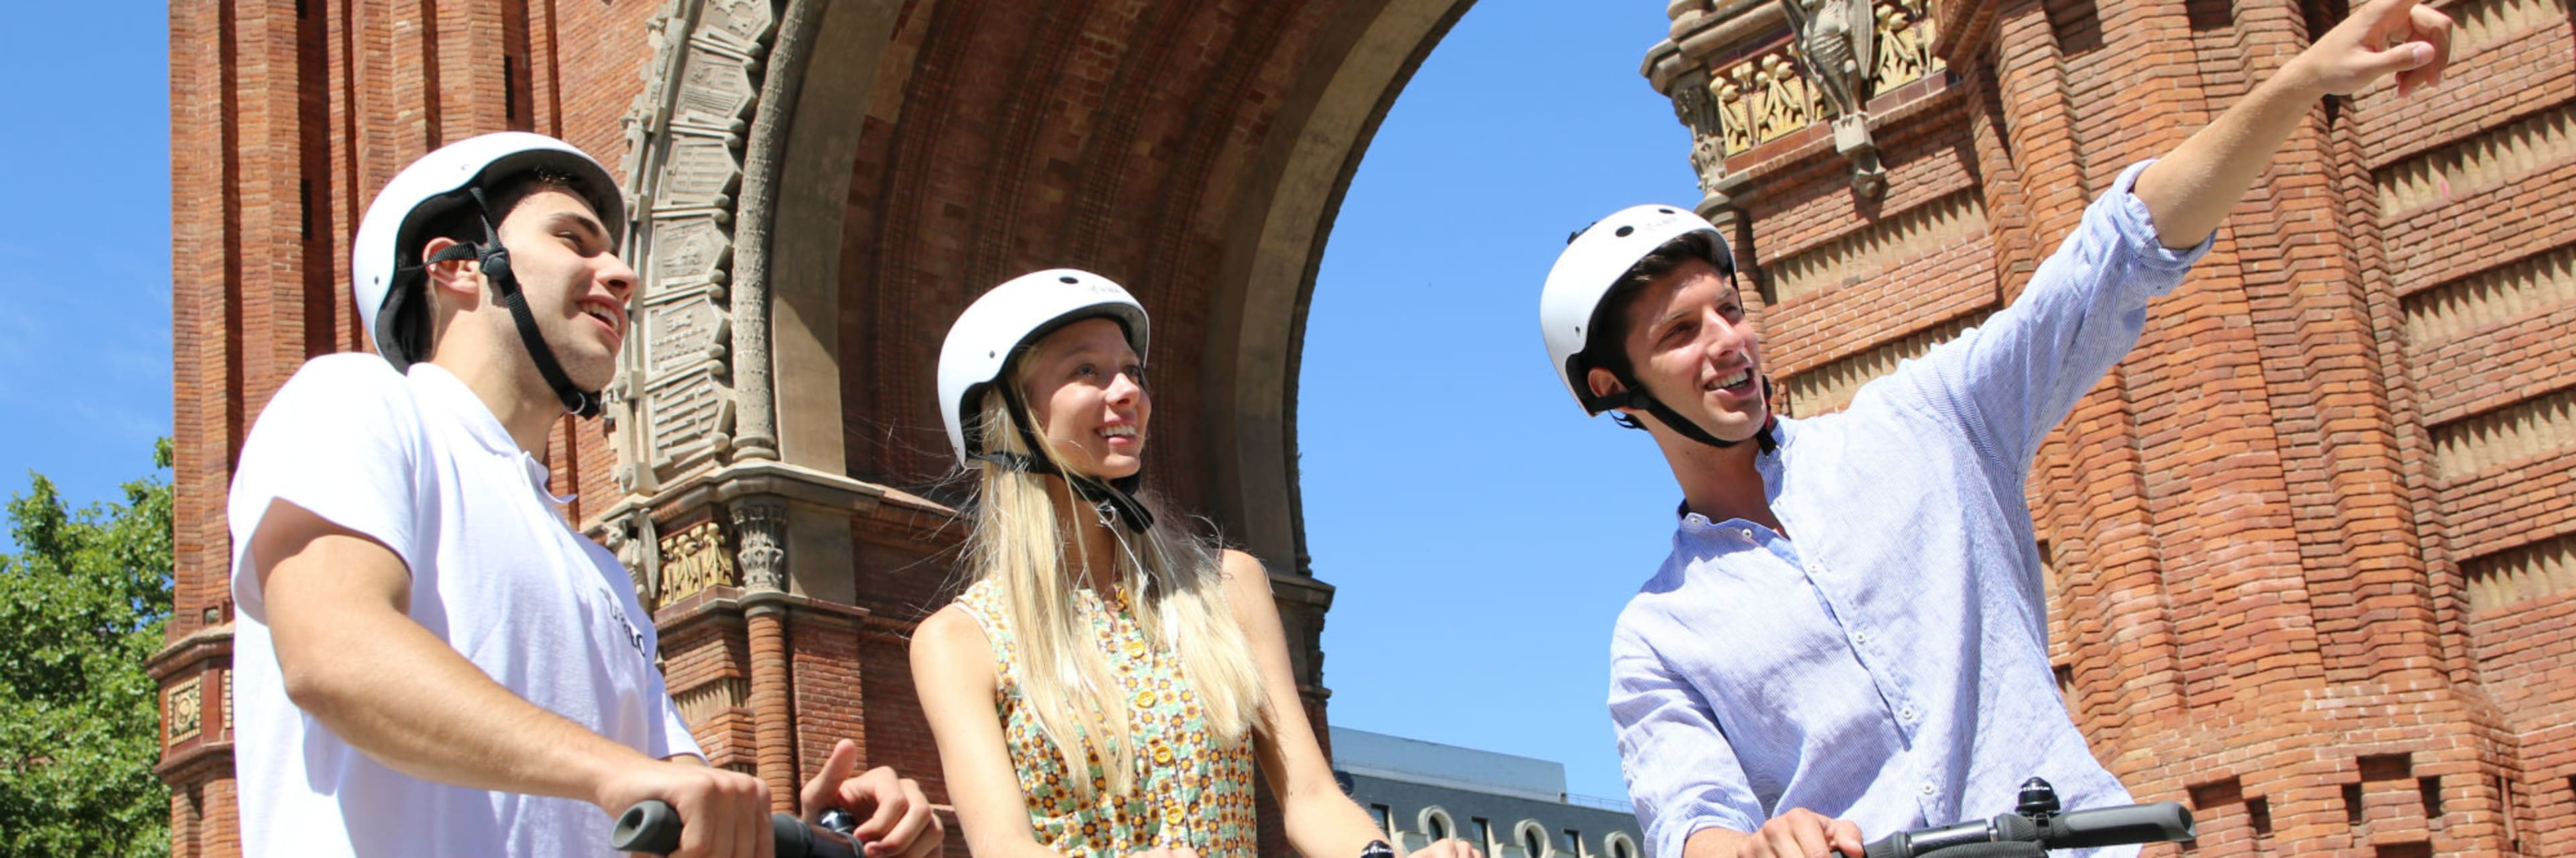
(1889,666)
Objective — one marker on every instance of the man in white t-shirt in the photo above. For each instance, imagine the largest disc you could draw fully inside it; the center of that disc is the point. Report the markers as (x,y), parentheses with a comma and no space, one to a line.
(430,661)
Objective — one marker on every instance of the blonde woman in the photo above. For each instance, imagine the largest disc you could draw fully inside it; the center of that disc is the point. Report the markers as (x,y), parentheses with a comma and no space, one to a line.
(1106,683)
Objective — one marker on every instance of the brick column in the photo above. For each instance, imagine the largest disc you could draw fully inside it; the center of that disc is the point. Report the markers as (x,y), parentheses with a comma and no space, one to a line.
(772,716)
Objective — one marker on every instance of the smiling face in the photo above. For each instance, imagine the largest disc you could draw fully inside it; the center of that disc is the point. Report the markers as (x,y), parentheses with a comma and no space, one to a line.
(575,285)
(1086,388)
(1688,341)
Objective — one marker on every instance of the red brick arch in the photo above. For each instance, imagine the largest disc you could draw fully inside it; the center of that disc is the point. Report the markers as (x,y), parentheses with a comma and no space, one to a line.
(862,169)
(1195,152)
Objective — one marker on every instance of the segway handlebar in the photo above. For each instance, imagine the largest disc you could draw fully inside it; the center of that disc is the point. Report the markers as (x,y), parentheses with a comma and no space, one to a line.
(2039,825)
(653,827)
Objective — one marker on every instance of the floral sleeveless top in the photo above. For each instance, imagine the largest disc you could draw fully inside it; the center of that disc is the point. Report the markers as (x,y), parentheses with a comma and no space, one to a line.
(1192,788)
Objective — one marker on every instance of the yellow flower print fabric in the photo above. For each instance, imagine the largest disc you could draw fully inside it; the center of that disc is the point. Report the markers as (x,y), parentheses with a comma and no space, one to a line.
(1193,788)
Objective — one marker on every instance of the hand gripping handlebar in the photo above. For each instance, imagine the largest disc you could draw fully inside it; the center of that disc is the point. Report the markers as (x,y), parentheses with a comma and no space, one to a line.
(2038,826)
(653,827)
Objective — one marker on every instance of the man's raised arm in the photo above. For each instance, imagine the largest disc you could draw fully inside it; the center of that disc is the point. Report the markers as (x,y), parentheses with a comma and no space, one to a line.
(2189,191)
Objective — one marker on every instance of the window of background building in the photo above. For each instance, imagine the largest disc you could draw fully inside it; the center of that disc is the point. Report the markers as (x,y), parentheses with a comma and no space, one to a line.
(1435,822)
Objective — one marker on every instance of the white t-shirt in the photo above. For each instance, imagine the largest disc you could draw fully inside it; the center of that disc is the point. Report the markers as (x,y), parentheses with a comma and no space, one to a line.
(421,465)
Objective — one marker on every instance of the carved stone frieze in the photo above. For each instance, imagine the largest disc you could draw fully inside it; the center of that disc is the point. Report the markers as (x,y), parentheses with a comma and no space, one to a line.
(694,559)
(1791,65)
(1905,32)
(673,409)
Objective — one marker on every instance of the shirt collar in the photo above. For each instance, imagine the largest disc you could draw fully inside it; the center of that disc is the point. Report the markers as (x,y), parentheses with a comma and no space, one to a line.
(1767,464)
(449,395)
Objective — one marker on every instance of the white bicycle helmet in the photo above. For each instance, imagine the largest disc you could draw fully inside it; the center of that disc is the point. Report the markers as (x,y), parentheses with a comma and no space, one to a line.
(993,331)
(994,328)
(1570,306)
(385,265)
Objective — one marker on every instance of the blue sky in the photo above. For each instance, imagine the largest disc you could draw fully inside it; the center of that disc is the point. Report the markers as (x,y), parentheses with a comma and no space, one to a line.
(1482,533)
(85,247)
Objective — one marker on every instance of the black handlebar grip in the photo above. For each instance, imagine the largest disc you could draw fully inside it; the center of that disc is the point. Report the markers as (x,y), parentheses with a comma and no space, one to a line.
(2112,826)
(651,826)
(799,840)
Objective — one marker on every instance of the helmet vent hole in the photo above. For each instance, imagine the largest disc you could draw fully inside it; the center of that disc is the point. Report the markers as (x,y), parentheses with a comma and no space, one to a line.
(1625,230)
(1068,279)
(1665,211)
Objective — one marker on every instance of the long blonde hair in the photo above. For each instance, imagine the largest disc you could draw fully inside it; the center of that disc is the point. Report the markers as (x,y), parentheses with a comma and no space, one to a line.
(1176,587)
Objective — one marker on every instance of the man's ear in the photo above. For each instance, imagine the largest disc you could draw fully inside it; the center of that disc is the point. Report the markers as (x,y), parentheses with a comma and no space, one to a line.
(459,275)
(1604,383)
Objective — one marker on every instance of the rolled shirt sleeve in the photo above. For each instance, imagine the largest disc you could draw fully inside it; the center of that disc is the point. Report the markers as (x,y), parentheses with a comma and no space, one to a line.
(2019,374)
(1682,774)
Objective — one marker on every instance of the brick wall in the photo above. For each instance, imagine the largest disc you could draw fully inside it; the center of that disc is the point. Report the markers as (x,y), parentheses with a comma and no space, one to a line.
(2309,546)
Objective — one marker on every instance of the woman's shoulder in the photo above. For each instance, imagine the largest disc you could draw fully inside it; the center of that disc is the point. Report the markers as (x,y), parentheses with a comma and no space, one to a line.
(950,653)
(950,633)
(1244,574)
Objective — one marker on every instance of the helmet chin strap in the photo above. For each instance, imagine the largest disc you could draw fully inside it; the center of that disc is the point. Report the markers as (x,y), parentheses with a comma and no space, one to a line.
(1111,498)
(1765,438)
(495,262)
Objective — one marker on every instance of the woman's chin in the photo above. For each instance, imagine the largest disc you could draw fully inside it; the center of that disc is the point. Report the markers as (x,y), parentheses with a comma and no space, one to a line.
(1118,466)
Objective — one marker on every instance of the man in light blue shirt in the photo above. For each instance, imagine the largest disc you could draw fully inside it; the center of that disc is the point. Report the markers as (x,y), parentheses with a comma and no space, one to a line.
(1849,639)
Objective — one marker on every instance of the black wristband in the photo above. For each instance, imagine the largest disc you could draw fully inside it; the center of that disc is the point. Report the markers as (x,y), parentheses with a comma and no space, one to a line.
(1377,849)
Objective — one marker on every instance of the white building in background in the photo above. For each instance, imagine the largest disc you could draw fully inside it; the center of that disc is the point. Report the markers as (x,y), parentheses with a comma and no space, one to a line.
(1512,807)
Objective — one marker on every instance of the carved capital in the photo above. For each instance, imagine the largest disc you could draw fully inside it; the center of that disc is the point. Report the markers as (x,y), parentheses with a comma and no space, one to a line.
(1697,109)
(760,531)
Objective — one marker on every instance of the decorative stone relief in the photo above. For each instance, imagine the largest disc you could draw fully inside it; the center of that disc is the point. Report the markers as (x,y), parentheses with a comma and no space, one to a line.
(639,548)
(187,709)
(672,410)
(1835,44)
(693,560)
(1764,99)
(760,526)
(1905,55)
(1836,56)
(1697,108)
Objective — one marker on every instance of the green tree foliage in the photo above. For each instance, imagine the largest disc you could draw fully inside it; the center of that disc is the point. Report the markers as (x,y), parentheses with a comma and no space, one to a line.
(82,605)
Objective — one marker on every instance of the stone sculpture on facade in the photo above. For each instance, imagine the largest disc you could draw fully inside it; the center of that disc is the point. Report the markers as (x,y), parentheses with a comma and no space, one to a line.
(1697,108)
(1836,46)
